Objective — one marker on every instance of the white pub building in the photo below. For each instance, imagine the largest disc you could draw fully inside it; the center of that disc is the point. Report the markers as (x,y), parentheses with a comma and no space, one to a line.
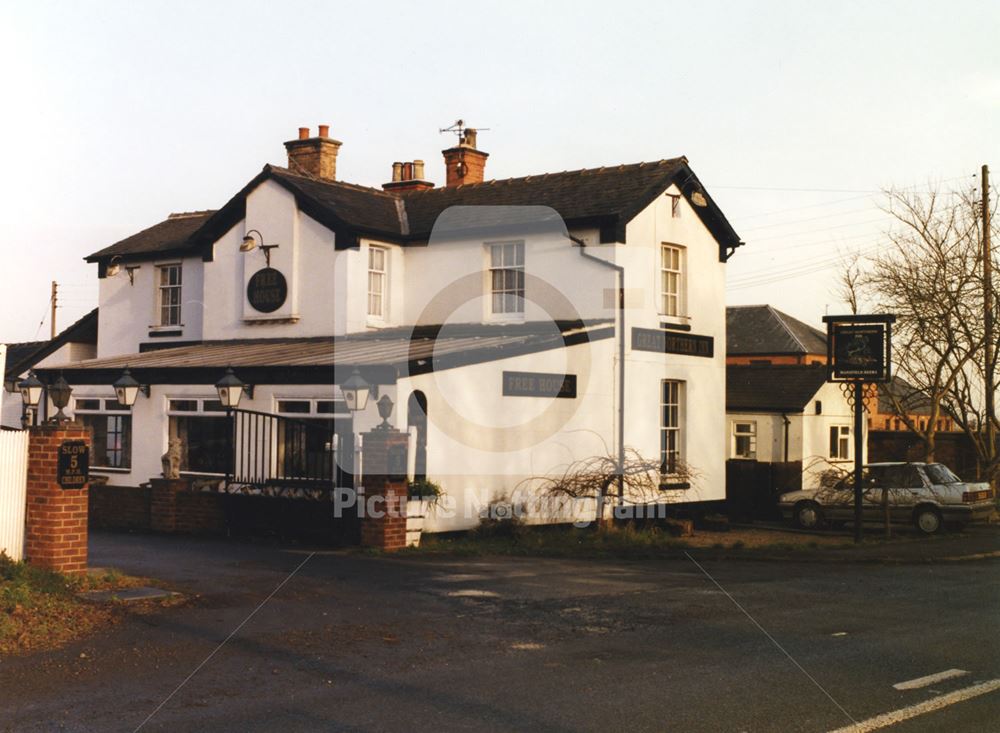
(516,327)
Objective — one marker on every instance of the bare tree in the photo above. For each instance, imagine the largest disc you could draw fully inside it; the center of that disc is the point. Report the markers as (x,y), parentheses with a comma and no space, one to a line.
(930,277)
(590,478)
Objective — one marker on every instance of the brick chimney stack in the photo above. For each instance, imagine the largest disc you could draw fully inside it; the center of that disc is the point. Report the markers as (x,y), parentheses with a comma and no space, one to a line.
(315,157)
(407,177)
(463,163)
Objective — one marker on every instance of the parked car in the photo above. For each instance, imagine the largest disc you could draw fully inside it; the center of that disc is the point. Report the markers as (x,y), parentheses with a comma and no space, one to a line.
(927,494)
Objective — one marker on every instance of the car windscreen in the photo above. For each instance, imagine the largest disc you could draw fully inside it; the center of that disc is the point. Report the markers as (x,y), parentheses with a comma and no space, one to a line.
(938,473)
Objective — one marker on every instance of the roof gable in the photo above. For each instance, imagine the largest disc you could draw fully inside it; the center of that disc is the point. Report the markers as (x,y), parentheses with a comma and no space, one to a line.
(761,329)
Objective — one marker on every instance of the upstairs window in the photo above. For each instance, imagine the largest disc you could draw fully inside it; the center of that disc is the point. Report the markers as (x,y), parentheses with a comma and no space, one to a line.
(671,280)
(507,278)
(377,275)
(169,296)
(675,206)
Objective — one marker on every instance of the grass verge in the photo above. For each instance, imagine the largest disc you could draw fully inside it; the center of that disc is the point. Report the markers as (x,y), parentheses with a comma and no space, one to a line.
(39,608)
(620,542)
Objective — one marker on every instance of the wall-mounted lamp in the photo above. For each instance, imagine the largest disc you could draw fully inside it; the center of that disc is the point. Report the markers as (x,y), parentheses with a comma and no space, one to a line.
(250,244)
(231,389)
(127,389)
(356,391)
(115,267)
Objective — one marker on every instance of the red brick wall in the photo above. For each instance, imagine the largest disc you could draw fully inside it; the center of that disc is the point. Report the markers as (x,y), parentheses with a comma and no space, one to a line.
(384,494)
(56,534)
(119,507)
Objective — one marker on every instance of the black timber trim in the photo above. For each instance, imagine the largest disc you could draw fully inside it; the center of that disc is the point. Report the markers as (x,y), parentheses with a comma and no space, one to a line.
(416,367)
(376,374)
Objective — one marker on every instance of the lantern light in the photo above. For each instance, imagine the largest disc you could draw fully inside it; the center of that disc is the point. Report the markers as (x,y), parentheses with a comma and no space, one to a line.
(356,392)
(127,389)
(231,389)
(31,390)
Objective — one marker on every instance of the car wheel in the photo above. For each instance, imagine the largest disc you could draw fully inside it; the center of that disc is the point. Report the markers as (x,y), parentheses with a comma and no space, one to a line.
(927,520)
(808,515)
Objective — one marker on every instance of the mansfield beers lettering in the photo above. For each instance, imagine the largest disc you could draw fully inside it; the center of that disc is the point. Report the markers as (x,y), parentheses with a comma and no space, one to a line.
(538,384)
(267,290)
(859,351)
(663,342)
(73,466)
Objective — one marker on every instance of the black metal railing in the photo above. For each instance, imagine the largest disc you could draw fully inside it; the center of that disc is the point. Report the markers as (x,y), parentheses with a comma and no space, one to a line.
(275,452)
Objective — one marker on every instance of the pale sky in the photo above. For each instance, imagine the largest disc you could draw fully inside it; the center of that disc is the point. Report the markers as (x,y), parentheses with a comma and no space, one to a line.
(794,117)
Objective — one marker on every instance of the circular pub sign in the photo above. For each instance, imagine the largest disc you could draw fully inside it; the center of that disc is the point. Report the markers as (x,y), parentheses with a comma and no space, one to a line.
(267,290)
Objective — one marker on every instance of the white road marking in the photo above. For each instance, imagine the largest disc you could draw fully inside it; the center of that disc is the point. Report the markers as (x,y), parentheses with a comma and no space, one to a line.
(839,633)
(929,679)
(473,593)
(929,706)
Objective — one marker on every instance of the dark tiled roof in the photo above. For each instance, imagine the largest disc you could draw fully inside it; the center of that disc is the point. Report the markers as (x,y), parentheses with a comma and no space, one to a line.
(588,194)
(604,197)
(19,353)
(170,236)
(761,329)
(772,388)
(913,400)
(23,356)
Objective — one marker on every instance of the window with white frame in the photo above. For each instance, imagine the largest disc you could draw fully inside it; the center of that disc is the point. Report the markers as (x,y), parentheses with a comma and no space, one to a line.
(169,294)
(745,439)
(507,278)
(378,268)
(201,425)
(840,442)
(110,425)
(671,280)
(671,394)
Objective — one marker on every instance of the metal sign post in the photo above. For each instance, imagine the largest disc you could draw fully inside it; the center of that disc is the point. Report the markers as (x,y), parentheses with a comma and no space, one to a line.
(859,352)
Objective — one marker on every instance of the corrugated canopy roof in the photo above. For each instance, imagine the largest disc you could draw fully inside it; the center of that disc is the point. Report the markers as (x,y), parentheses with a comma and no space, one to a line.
(405,350)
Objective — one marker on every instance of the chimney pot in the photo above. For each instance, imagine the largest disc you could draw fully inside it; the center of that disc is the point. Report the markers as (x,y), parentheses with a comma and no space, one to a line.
(407,171)
(397,172)
(418,170)
(315,157)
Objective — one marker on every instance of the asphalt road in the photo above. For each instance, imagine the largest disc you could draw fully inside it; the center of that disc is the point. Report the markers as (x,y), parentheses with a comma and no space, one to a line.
(360,643)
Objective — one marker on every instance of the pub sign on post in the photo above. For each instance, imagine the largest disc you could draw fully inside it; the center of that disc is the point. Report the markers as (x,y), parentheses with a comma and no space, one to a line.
(859,348)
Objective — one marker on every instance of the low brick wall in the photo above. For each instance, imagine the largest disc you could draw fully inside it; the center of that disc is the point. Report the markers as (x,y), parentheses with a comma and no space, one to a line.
(119,507)
(132,507)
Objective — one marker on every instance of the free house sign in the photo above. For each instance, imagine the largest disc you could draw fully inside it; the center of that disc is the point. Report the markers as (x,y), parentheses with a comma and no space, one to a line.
(267,290)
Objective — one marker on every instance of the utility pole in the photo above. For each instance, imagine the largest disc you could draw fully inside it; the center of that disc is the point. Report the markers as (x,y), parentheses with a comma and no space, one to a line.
(55,296)
(988,316)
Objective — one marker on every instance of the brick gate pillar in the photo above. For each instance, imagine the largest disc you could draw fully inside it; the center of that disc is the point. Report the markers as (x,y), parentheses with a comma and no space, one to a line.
(56,531)
(383,523)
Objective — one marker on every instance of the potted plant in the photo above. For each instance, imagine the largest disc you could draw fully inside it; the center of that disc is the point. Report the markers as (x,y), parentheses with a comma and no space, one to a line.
(421,496)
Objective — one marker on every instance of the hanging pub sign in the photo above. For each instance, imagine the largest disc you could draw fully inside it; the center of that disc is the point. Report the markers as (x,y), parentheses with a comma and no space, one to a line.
(267,290)
(859,348)
(73,465)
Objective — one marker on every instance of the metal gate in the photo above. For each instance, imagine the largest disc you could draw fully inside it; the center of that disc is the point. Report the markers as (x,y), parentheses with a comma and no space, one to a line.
(280,456)
(13,491)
